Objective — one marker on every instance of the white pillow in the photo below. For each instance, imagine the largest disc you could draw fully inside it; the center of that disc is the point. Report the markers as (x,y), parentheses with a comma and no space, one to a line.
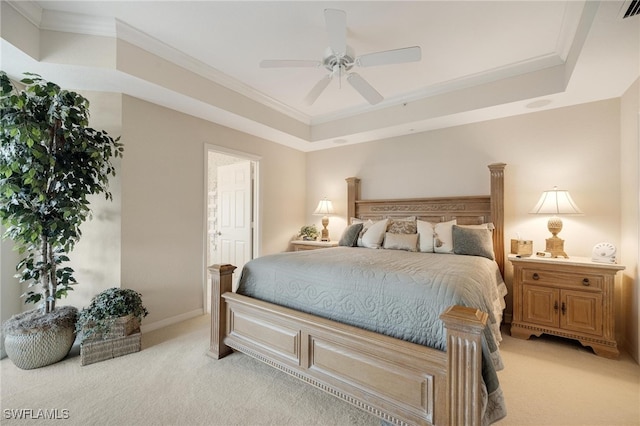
(425,242)
(365,225)
(443,237)
(374,234)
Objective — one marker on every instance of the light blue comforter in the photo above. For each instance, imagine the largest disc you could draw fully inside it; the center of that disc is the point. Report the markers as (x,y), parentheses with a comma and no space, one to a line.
(397,293)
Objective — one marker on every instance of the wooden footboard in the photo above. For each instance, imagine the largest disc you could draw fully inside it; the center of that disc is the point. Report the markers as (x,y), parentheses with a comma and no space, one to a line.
(400,382)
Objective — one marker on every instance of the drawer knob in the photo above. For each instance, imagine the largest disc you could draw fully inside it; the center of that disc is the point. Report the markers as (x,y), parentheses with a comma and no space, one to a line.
(536,276)
(586,282)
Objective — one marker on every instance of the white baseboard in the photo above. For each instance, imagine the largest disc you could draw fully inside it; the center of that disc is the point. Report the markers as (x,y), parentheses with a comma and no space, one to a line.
(145,328)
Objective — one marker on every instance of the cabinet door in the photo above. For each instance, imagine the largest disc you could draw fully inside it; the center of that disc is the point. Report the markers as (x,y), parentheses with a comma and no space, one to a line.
(582,312)
(540,305)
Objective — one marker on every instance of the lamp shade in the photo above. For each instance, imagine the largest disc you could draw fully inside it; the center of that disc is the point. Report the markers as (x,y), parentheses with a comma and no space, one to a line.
(324,208)
(554,202)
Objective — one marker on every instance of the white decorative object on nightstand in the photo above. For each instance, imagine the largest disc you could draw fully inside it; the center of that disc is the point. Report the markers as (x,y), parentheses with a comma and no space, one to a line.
(604,253)
(572,298)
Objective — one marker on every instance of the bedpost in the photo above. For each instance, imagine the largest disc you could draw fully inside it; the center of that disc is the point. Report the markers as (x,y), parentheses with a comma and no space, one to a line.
(464,363)
(497,211)
(221,282)
(353,194)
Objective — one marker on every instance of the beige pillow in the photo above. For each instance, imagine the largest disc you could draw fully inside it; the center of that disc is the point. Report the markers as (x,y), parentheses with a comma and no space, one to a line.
(402,226)
(407,242)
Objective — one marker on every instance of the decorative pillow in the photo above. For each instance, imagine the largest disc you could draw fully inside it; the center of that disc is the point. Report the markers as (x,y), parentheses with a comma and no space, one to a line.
(407,242)
(442,237)
(402,226)
(473,241)
(425,230)
(373,236)
(365,225)
(350,235)
(487,225)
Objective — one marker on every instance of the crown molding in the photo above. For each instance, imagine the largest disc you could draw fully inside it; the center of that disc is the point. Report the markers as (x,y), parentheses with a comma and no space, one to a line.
(111,27)
(77,24)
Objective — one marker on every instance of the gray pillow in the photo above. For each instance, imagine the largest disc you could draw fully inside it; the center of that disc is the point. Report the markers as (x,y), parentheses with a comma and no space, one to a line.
(349,237)
(473,242)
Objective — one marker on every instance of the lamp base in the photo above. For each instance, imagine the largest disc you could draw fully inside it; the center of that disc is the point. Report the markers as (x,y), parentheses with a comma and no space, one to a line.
(555,246)
(324,236)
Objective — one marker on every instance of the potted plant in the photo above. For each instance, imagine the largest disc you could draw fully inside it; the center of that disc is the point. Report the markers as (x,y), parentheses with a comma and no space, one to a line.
(308,232)
(50,162)
(114,312)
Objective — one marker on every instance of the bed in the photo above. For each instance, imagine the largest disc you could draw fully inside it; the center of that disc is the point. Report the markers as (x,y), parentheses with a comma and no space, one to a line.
(401,377)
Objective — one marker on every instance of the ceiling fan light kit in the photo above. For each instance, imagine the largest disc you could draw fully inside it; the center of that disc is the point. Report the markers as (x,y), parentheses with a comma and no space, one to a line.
(340,58)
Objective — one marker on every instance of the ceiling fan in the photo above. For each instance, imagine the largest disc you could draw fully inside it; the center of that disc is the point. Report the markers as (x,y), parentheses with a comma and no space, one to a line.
(340,58)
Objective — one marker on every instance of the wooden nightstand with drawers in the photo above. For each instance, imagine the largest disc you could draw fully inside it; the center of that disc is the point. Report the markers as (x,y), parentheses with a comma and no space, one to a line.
(572,298)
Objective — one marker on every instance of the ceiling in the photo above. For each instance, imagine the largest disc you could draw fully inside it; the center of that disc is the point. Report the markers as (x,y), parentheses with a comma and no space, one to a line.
(480,60)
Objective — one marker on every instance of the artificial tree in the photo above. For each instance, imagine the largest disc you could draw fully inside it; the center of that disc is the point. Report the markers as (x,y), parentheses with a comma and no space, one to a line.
(51,161)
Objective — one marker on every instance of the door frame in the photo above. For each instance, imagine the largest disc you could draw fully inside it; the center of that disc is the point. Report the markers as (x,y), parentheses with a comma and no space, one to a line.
(256,202)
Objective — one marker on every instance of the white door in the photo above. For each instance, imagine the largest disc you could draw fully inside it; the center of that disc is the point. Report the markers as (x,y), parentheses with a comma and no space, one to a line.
(234,215)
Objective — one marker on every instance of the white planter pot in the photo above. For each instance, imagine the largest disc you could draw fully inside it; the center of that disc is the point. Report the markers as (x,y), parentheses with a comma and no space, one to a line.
(35,348)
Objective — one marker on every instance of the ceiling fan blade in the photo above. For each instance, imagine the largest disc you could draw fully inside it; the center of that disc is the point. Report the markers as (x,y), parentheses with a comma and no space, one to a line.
(318,89)
(396,56)
(336,21)
(365,89)
(289,63)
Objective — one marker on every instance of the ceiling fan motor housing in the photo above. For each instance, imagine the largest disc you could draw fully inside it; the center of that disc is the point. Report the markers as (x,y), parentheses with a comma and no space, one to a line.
(344,62)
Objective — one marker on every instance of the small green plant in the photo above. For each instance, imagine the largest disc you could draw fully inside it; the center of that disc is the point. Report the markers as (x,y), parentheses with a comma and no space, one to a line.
(309,232)
(106,307)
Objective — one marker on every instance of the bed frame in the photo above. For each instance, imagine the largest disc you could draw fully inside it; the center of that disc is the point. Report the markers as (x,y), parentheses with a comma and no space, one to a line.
(400,382)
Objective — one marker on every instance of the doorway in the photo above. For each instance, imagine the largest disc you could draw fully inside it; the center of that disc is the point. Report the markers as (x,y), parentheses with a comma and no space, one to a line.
(231,211)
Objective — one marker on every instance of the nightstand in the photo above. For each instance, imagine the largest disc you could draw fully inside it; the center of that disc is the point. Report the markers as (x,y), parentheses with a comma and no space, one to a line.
(572,298)
(299,245)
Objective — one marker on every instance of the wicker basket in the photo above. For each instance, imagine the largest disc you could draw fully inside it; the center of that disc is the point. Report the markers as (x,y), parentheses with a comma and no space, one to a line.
(123,326)
(93,350)
(35,350)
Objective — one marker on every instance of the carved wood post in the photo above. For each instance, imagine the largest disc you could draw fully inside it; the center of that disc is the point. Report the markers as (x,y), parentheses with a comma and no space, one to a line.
(497,211)
(464,353)
(353,194)
(221,282)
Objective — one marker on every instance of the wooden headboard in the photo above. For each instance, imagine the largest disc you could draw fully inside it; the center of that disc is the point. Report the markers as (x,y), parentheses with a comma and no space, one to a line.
(467,210)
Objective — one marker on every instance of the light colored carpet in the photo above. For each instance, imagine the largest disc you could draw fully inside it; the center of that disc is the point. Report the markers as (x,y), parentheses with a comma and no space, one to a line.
(172,382)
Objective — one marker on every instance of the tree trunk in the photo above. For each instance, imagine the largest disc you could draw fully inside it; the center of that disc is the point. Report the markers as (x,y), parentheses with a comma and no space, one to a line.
(44,275)
(53,283)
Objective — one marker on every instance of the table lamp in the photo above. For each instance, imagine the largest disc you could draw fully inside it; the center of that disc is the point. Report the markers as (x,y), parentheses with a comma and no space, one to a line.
(555,202)
(324,209)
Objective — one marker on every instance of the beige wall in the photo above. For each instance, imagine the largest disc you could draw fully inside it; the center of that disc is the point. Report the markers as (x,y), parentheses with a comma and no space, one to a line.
(10,302)
(96,257)
(575,148)
(163,197)
(630,217)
